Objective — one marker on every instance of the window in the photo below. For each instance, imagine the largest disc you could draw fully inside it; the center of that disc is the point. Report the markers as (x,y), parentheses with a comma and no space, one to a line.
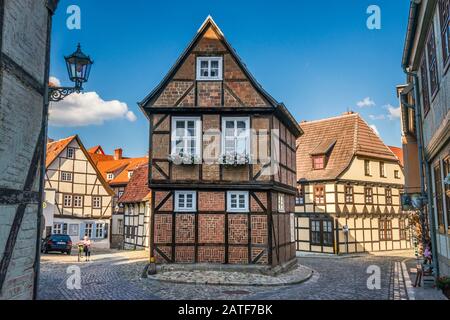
(186,136)
(382,170)
(74,230)
(237,201)
(77,201)
(402,229)
(432,61)
(88,229)
(319,162)
(438,196)
(315,232)
(185,201)
(389,196)
(59,228)
(322,233)
(96,202)
(385,230)
(236,136)
(367,168)
(70,153)
(368,192)
(300,198)
(119,226)
(447,189)
(130,174)
(319,195)
(209,68)
(349,194)
(67,201)
(397,174)
(109,176)
(100,231)
(66,176)
(120,194)
(444,9)
(424,85)
(281,204)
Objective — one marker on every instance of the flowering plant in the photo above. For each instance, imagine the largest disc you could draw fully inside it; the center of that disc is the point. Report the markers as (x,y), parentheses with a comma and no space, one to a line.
(234,159)
(443,283)
(184,158)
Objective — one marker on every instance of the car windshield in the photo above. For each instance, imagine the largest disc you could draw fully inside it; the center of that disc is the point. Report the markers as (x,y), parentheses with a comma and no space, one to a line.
(60,238)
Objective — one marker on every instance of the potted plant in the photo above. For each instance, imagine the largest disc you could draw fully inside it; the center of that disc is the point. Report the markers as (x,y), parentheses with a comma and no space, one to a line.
(443,283)
(184,158)
(234,159)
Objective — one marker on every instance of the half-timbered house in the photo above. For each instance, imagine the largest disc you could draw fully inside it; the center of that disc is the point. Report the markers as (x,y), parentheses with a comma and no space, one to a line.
(349,187)
(222,161)
(78,200)
(117,170)
(137,211)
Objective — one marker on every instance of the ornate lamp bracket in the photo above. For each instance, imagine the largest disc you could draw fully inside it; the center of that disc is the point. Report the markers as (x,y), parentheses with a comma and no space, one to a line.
(56,94)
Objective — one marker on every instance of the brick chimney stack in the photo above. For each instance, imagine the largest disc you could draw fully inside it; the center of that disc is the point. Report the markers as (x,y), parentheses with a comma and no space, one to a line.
(118,154)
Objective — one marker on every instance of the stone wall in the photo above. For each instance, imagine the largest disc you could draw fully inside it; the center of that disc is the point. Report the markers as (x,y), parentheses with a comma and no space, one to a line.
(23,74)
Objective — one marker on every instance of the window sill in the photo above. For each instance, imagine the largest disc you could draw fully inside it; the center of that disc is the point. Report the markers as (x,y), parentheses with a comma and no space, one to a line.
(209,79)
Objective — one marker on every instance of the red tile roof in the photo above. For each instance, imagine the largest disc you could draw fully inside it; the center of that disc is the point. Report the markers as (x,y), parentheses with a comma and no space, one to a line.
(352,137)
(398,153)
(137,189)
(54,148)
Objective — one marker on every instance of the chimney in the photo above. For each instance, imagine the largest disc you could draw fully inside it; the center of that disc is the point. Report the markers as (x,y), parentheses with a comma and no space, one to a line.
(118,154)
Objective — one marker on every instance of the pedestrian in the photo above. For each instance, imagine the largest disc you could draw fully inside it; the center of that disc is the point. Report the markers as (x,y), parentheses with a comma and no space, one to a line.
(87,248)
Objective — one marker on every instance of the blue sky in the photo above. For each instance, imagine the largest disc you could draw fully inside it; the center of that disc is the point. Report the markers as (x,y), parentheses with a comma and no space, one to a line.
(319,59)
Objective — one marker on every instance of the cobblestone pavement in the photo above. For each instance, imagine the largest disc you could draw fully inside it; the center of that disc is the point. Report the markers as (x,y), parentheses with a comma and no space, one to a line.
(117,276)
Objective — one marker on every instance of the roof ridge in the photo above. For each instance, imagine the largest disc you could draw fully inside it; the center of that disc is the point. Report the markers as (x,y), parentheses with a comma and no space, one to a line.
(328,119)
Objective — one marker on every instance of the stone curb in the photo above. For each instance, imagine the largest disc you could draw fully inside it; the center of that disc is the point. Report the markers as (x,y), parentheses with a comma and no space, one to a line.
(280,282)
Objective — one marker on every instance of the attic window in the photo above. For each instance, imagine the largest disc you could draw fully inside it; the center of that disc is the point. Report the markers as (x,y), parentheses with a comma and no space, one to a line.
(110,176)
(130,174)
(209,68)
(319,162)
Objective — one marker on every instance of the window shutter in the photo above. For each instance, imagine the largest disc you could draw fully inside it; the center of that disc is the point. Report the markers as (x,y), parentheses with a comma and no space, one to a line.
(64,231)
(82,230)
(94,231)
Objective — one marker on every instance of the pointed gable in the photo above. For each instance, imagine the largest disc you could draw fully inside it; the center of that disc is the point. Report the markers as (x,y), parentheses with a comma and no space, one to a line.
(235,88)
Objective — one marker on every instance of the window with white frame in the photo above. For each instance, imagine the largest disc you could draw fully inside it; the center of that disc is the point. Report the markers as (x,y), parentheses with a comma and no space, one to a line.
(66,176)
(209,68)
(88,227)
(186,136)
(110,176)
(281,204)
(236,136)
(96,202)
(70,153)
(100,230)
(58,228)
(130,174)
(237,201)
(77,201)
(185,201)
(67,200)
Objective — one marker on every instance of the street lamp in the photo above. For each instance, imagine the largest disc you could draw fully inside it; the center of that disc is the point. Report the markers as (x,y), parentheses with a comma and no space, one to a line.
(79,67)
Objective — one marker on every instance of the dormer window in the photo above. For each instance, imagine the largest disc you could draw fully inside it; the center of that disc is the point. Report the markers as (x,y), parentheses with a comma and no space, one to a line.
(110,176)
(209,68)
(130,174)
(319,162)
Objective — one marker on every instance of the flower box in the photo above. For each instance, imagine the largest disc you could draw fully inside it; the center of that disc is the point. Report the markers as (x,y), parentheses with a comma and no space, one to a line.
(234,159)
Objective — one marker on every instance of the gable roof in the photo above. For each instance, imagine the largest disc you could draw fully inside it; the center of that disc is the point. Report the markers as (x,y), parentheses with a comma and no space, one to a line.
(137,189)
(55,148)
(120,168)
(207,24)
(398,153)
(343,138)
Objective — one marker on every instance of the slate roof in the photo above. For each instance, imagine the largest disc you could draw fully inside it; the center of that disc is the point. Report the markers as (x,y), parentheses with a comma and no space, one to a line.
(137,189)
(343,137)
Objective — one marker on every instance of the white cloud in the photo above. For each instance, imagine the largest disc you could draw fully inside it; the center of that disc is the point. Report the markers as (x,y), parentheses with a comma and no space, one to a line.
(394,113)
(83,109)
(54,81)
(366,103)
(377,117)
(375,129)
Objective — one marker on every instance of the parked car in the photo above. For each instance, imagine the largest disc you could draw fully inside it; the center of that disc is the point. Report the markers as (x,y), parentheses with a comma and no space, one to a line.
(57,242)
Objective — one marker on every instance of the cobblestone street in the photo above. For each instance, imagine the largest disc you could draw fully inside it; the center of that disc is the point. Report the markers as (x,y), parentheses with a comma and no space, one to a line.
(116,275)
